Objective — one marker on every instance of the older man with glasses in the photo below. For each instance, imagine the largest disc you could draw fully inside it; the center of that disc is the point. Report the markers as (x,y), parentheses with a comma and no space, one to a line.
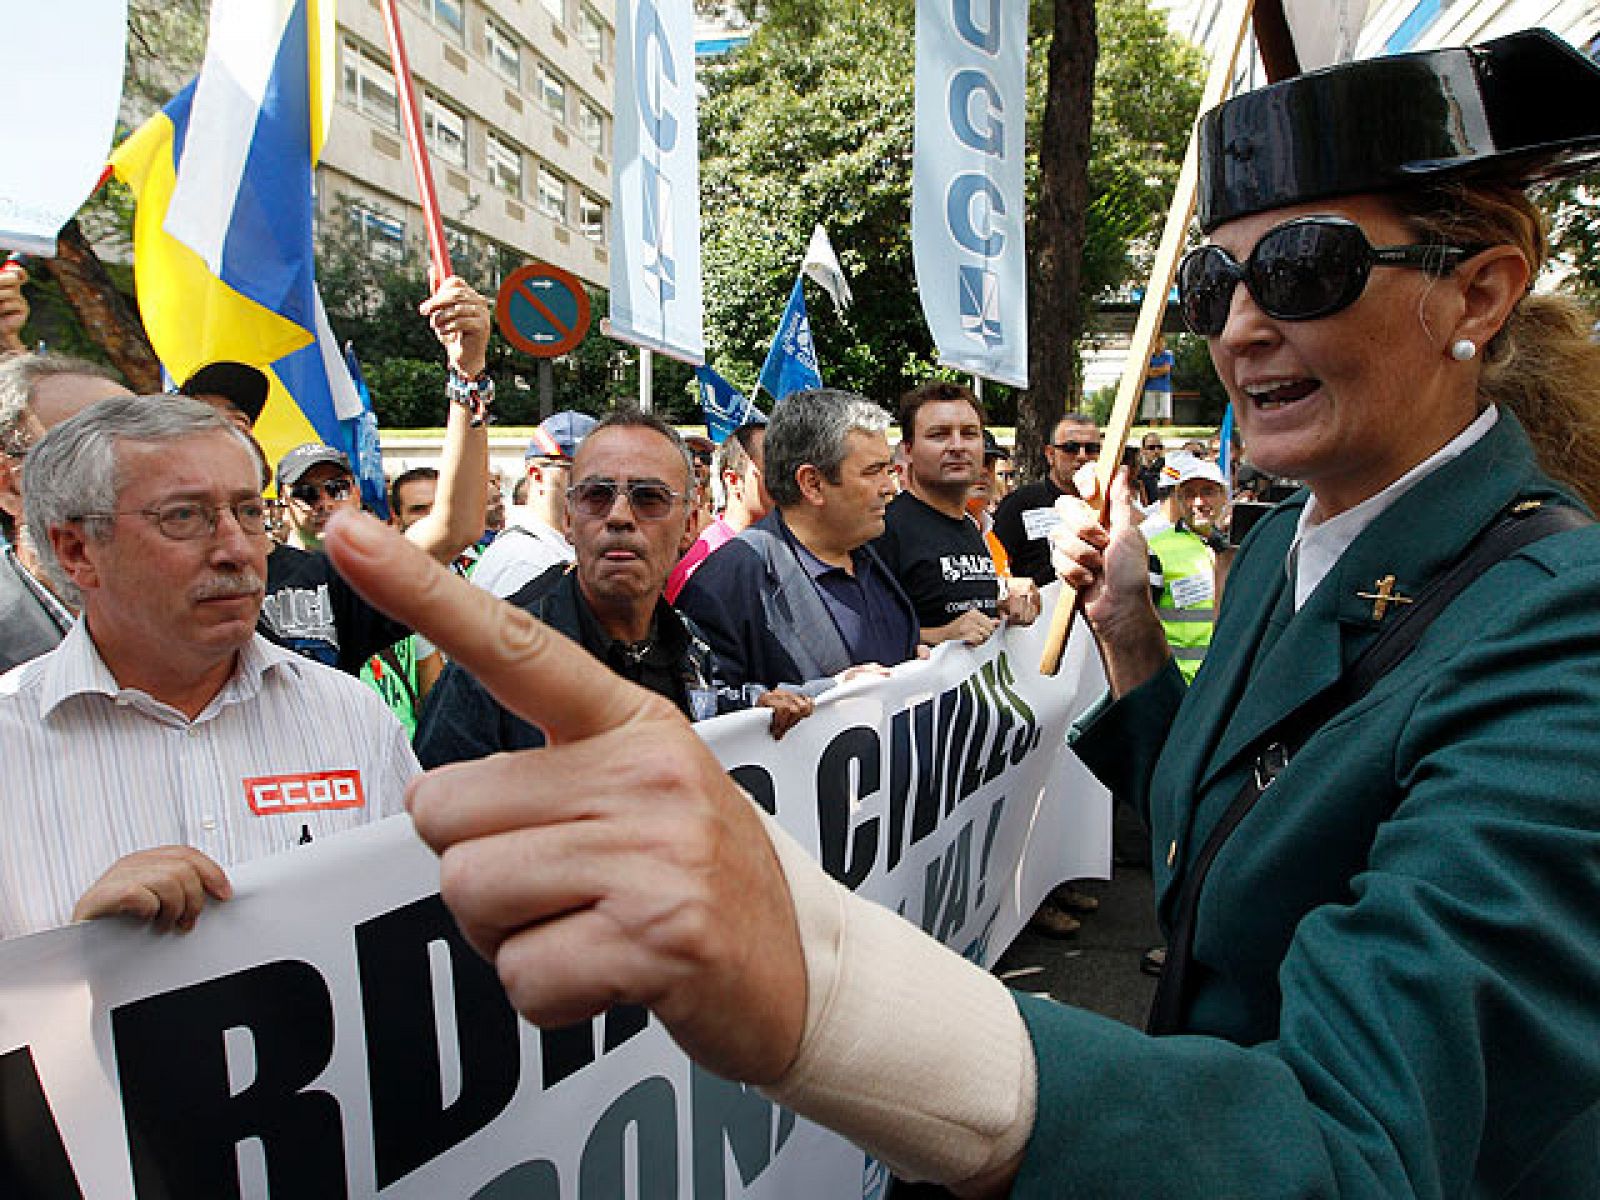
(1025,518)
(628,518)
(164,739)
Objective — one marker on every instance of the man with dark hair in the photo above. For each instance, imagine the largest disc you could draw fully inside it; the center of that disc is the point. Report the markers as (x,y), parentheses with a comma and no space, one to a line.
(37,393)
(800,596)
(1025,518)
(164,739)
(411,496)
(628,516)
(929,543)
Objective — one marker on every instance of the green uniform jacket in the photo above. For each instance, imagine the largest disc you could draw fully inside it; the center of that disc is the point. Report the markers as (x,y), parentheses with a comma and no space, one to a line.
(1398,950)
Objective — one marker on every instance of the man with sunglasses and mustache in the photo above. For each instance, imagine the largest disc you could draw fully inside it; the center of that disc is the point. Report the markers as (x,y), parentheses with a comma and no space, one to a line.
(1025,518)
(629,510)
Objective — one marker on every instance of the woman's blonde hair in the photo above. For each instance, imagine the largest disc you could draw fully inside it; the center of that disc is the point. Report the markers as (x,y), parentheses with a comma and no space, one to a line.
(1544,364)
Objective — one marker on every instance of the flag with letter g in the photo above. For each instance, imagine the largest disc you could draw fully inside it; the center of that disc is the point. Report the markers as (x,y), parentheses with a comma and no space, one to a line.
(791,364)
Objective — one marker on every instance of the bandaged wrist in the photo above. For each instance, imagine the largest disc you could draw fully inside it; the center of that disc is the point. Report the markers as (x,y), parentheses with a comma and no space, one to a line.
(910,1051)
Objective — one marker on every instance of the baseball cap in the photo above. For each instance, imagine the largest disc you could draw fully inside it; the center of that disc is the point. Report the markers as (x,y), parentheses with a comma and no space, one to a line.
(992,448)
(1190,467)
(240,384)
(560,435)
(302,458)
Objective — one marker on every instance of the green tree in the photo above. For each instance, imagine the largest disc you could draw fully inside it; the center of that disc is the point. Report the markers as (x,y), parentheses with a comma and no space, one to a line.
(1574,212)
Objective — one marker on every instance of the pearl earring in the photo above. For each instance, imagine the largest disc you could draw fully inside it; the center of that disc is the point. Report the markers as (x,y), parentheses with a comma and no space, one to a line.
(1463,350)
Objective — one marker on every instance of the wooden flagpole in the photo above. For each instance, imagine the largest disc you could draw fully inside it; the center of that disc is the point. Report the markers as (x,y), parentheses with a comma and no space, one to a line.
(411,122)
(1151,312)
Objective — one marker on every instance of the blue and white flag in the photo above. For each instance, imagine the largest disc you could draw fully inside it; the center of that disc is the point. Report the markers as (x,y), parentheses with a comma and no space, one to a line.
(655,182)
(725,406)
(791,364)
(966,184)
(361,441)
(1225,445)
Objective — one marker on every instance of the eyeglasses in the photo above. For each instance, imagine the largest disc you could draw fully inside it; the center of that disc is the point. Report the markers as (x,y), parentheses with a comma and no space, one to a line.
(333,489)
(186,521)
(1077,447)
(1306,268)
(595,498)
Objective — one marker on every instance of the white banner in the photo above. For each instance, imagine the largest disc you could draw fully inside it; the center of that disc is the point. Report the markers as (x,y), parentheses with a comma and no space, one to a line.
(60,88)
(967,211)
(655,188)
(326,1033)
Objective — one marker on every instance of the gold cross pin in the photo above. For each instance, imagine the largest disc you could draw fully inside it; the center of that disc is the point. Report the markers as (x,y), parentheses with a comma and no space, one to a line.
(1385,596)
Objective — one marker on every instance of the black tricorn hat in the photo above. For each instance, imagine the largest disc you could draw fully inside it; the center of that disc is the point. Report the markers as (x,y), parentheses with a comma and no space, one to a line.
(243,386)
(1522,108)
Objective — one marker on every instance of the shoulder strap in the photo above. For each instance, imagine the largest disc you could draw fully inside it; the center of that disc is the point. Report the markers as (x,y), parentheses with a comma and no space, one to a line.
(1522,525)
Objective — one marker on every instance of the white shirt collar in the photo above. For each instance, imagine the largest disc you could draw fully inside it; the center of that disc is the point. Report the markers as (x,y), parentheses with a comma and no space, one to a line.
(75,668)
(1320,542)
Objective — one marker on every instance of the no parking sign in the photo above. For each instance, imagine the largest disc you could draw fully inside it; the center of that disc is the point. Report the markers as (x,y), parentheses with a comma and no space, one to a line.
(542,310)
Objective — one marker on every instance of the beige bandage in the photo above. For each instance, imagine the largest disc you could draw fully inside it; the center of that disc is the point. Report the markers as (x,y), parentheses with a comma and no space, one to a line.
(910,1051)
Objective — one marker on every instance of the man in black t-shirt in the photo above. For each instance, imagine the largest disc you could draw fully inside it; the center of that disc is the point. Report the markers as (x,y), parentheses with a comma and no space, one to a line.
(1025,518)
(929,542)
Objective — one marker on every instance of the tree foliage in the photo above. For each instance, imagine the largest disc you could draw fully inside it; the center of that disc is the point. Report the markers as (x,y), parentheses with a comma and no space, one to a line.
(812,122)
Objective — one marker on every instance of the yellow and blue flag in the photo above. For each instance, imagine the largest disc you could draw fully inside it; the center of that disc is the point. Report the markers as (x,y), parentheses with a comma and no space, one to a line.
(222,244)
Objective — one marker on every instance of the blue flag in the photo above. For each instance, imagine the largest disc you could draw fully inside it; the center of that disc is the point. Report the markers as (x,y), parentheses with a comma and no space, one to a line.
(791,364)
(361,442)
(725,406)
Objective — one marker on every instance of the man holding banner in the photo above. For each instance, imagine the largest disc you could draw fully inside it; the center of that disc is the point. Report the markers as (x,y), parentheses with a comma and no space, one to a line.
(164,739)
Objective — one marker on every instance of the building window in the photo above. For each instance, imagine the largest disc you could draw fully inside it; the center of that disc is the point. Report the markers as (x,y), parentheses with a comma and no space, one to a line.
(552,195)
(594,34)
(592,126)
(382,236)
(369,86)
(591,217)
(505,164)
(445,129)
(504,51)
(448,15)
(557,10)
(553,94)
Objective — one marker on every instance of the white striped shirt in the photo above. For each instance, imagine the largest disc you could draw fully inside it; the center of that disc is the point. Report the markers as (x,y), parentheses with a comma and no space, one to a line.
(90,772)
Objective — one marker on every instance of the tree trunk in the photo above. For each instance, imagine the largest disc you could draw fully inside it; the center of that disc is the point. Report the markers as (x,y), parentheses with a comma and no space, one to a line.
(102,311)
(1057,232)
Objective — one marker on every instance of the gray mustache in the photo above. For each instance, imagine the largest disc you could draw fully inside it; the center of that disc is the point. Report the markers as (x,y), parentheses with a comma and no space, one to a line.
(226,585)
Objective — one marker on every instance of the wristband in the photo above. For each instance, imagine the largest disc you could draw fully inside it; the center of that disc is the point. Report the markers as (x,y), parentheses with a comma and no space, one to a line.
(475,394)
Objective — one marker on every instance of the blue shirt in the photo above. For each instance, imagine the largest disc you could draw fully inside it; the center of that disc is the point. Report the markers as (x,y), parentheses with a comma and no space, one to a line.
(872,622)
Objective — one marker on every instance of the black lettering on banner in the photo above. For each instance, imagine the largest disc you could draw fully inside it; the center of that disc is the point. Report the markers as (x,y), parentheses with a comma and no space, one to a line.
(649,1110)
(898,798)
(972,764)
(411,1123)
(925,814)
(185,1122)
(945,887)
(1004,719)
(856,746)
(564,1050)
(732,1114)
(758,782)
(983,855)
(1028,736)
(33,1159)
(959,729)
(536,1180)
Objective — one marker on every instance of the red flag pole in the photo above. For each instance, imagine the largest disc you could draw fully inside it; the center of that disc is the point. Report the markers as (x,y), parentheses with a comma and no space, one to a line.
(411,120)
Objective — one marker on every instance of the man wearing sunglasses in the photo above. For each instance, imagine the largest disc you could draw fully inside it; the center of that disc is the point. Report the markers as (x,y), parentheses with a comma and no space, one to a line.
(628,520)
(164,740)
(1025,518)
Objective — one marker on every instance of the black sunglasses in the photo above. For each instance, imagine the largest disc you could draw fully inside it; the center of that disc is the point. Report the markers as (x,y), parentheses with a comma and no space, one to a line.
(1306,268)
(595,498)
(1077,447)
(333,489)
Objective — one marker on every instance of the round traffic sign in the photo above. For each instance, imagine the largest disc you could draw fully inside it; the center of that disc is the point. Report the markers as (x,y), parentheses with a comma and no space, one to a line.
(542,310)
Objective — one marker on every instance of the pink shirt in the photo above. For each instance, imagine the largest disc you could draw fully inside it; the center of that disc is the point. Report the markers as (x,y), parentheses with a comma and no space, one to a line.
(712,538)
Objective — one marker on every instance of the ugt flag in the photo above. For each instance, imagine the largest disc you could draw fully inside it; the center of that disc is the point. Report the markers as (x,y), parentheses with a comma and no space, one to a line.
(655,182)
(725,406)
(966,184)
(222,239)
(791,364)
